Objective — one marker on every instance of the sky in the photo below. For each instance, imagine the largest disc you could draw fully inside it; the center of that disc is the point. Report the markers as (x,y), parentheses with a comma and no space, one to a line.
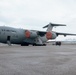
(34,14)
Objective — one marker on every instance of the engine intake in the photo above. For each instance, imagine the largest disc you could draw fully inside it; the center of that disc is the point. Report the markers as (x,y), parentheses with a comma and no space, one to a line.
(30,34)
(51,35)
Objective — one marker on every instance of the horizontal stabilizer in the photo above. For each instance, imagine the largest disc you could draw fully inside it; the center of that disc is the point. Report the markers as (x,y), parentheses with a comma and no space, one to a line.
(53,25)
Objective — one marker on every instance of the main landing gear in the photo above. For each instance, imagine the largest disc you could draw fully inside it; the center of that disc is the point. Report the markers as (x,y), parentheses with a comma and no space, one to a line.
(39,44)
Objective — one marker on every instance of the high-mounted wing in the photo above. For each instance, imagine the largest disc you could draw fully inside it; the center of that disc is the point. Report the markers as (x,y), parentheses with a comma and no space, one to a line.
(52,34)
(41,33)
(65,34)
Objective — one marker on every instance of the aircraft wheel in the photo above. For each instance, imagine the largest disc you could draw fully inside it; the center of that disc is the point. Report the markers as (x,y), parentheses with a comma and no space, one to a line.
(24,44)
(34,44)
(44,44)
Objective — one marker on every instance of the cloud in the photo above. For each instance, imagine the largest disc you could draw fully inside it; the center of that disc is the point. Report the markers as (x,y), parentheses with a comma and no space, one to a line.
(34,14)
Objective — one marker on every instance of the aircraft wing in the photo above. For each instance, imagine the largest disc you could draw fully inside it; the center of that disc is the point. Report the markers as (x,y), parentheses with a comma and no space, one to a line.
(65,34)
(42,33)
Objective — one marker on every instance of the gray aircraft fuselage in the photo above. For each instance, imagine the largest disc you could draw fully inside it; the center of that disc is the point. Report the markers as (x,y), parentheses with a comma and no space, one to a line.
(25,37)
(14,35)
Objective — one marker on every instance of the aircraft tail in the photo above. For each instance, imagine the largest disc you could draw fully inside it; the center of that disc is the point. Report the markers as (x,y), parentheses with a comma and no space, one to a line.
(51,25)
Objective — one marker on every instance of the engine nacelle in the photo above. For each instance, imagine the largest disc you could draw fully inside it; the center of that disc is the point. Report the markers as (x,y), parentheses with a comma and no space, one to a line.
(54,35)
(51,35)
(30,34)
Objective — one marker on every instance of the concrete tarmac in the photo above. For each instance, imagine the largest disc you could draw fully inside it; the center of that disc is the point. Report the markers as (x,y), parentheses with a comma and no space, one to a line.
(38,60)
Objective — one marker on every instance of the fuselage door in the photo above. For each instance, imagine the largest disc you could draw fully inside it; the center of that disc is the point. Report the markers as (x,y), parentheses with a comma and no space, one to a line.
(8,38)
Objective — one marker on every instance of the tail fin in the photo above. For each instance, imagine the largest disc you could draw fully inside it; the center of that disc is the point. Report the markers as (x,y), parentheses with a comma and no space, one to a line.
(51,25)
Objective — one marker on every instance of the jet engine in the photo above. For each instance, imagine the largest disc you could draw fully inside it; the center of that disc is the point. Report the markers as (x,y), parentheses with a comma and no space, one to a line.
(54,35)
(30,34)
(48,36)
(51,35)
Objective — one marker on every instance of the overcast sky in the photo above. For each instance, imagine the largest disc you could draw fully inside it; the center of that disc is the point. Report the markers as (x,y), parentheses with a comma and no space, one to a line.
(34,14)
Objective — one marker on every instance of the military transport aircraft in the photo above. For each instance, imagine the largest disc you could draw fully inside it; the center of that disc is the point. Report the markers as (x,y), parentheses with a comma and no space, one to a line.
(24,37)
